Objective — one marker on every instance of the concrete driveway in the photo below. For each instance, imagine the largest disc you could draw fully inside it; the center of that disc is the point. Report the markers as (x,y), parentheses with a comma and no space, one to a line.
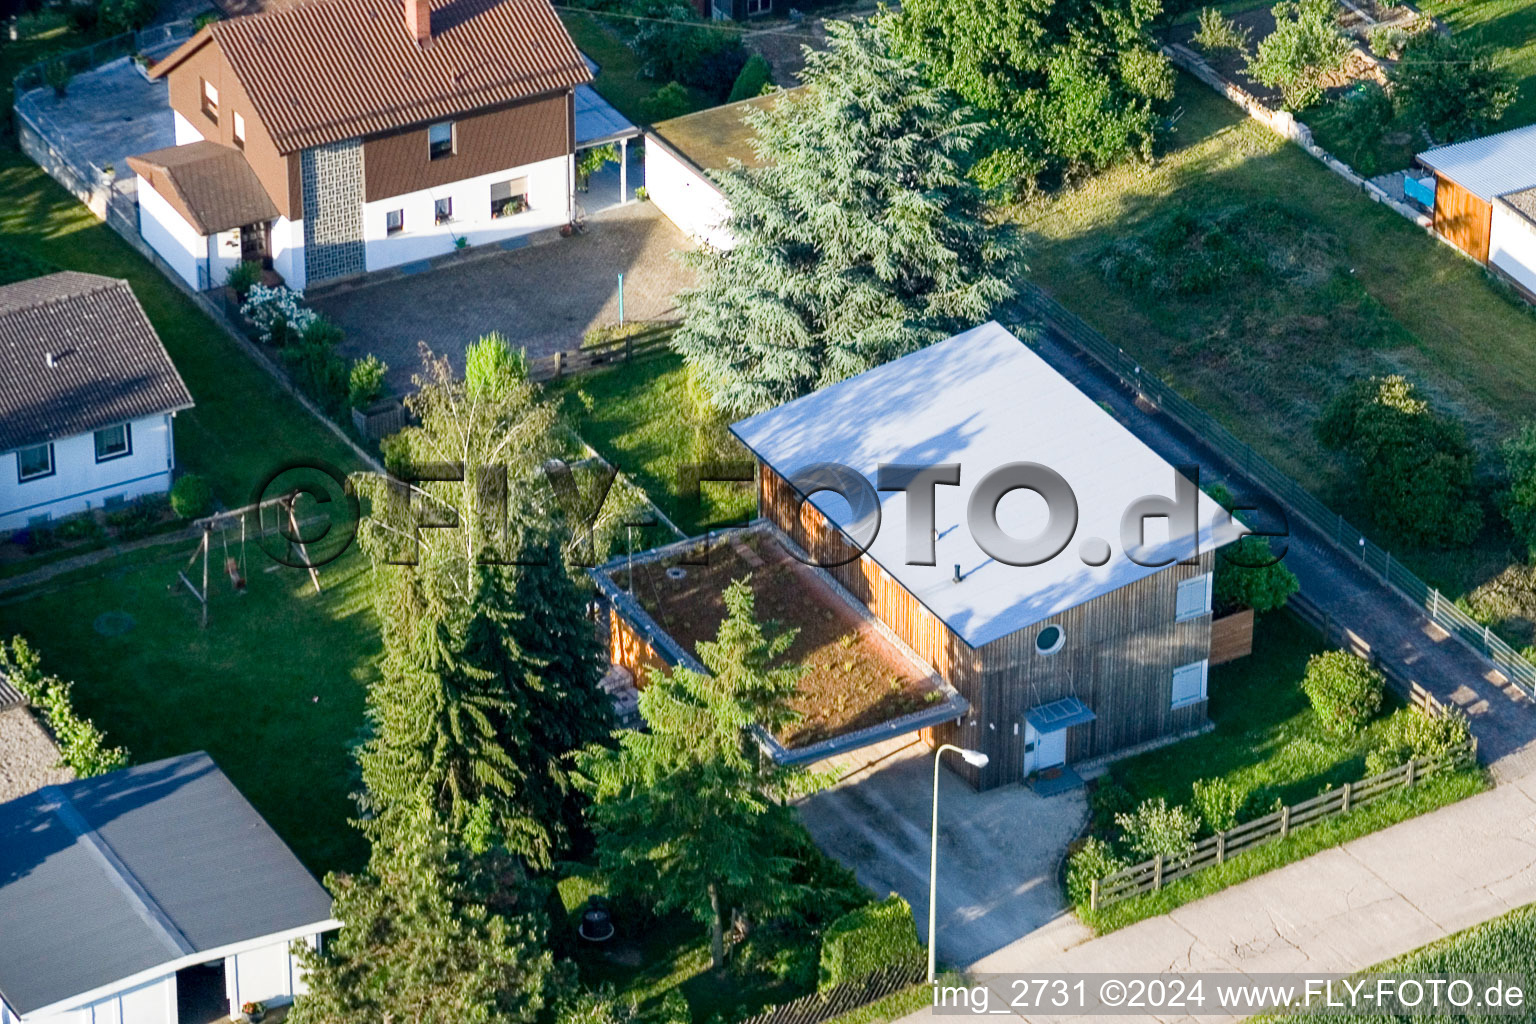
(998,851)
(542,296)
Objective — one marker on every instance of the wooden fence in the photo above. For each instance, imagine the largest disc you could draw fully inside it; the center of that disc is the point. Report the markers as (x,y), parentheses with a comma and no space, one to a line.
(850,995)
(650,342)
(1335,633)
(1151,875)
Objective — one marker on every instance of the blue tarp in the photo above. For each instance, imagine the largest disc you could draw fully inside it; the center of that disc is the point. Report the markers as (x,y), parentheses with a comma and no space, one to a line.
(1420,190)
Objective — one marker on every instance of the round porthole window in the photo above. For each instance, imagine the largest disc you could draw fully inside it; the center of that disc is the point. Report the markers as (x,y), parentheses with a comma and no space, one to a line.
(1049,639)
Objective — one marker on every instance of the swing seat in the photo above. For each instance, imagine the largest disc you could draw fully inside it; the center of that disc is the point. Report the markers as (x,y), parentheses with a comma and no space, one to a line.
(236,580)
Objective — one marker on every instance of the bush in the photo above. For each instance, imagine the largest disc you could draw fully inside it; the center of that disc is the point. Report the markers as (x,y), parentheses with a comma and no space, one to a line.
(1387,40)
(16,265)
(697,55)
(491,365)
(1365,113)
(191,497)
(1345,690)
(1219,802)
(1451,87)
(58,75)
(278,314)
(1107,802)
(755,76)
(1416,465)
(365,382)
(1249,576)
(1518,502)
(1155,828)
(1305,47)
(127,15)
(864,940)
(317,370)
(82,746)
(138,518)
(673,1009)
(589,1006)
(671,100)
(242,277)
(1411,732)
(1092,862)
(79,529)
(1219,34)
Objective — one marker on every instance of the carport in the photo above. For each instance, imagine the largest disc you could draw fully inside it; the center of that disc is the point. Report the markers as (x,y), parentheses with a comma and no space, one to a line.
(599,124)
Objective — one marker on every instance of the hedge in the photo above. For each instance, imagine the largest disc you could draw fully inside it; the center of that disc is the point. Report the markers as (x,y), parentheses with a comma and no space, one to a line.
(864,940)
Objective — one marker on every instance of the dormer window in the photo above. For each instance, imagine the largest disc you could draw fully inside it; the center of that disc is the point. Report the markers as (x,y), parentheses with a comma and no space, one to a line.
(210,100)
(440,140)
(239,131)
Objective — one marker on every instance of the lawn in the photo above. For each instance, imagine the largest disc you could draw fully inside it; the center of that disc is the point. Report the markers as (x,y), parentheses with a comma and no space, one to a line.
(245,425)
(1505,945)
(273,688)
(620,79)
(646,419)
(1344,287)
(1270,744)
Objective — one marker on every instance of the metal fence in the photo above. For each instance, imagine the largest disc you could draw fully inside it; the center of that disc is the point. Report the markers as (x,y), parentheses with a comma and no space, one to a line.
(1350,540)
(102,51)
(850,995)
(1151,875)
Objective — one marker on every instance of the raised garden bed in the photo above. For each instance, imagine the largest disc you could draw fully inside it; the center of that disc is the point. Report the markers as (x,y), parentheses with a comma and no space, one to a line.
(856,678)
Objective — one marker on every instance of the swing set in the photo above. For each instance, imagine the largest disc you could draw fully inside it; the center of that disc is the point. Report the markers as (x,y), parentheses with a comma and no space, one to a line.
(235,568)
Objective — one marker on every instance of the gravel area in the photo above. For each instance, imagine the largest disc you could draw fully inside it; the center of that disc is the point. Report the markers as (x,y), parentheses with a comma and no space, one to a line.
(28,758)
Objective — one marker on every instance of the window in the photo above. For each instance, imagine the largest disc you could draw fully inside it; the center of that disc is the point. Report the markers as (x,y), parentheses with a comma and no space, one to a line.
(1050,639)
(440,140)
(759,7)
(113,443)
(239,129)
(394,222)
(1189,684)
(210,100)
(1194,598)
(33,463)
(442,211)
(509,197)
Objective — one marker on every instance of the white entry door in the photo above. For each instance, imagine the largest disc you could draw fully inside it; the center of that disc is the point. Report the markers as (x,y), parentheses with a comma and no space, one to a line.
(1043,750)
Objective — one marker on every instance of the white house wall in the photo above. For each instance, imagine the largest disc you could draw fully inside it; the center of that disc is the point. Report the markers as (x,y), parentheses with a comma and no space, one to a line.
(186,131)
(153,1002)
(1512,245)
(690,200)
(422,239)
(288,251)
(268,975)
(79,482)
(177,242)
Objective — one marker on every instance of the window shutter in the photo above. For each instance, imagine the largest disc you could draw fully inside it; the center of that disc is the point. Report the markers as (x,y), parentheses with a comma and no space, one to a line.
(1193,598)
(1189,684)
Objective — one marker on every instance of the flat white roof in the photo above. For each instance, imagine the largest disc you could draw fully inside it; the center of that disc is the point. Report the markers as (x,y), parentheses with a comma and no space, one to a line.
(1489,166)
(983,399)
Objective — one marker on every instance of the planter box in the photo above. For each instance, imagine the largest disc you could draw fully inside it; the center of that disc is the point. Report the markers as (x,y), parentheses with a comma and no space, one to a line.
(142,69)
(1232,636)
(380,419)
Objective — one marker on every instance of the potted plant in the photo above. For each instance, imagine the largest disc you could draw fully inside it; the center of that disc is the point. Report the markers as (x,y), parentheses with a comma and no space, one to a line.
(142,64)
(254,1011)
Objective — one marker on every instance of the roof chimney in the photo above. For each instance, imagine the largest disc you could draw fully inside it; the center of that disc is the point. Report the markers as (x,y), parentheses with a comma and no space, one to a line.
(418,20)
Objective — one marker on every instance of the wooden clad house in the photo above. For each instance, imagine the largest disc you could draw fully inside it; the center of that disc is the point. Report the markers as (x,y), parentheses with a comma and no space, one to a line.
(1076,658)
(334,137)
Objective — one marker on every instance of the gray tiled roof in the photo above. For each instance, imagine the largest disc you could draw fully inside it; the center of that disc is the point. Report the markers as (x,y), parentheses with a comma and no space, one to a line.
(108,364)
(103,878)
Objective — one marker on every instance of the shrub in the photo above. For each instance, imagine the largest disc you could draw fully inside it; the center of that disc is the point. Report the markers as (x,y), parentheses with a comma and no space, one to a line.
(79,529)
(491,365)
(317,370)
(138,518)
(1155,828)
(696,55)
(1416,465)
(1094,861)
(1411,732)
(1219,801)
(1304,48)
(673,1009)
(191,497)
(242,276)
(1518,502)
(873,936)
(277,314)
(1387,40)
(1107,802)
(1451,87)
(16,265)
(82,746)
(365,382)
(1249,576)
(1365,113)
(594,160)
(58,75)
(1219,34)
(1345,690)
(671,100)
(755,76)
(127,15)
(589,1006)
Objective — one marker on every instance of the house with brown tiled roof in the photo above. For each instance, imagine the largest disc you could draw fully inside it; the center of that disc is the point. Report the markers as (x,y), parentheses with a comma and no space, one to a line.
(335,137)
(88,397)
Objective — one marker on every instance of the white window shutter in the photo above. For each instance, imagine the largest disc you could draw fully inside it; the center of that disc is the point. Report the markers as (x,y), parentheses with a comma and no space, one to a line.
(1189,683)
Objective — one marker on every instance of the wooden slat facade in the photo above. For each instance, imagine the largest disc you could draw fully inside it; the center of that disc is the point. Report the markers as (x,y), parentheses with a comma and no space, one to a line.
(1232,637)
(1118,657)
(1464,219)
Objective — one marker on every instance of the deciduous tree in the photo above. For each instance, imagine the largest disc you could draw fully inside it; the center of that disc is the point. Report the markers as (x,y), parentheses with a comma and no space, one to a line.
(1305,47)
(1451,87)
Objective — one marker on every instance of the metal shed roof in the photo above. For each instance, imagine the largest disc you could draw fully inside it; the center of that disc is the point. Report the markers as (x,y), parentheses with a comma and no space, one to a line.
(982,399)
(1489,166)
(105,878)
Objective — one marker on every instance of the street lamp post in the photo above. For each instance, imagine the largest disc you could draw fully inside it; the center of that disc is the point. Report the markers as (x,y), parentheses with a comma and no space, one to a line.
(972,757)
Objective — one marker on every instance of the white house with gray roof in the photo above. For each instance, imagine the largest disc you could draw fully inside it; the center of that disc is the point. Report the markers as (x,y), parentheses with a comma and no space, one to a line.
(88,396)
(151,895)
